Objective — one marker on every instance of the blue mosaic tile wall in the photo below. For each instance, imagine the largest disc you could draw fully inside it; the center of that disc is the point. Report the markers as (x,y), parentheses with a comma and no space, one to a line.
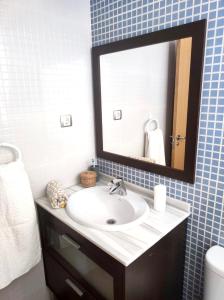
(115,20)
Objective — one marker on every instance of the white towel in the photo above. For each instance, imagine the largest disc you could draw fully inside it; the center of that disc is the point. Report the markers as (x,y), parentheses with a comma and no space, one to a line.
(19,237)
(154,146)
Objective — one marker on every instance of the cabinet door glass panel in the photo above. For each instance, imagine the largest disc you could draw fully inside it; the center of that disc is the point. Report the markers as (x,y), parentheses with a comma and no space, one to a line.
(88,269)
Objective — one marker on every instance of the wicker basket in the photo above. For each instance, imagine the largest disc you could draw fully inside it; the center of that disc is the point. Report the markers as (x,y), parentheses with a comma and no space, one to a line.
(88,178)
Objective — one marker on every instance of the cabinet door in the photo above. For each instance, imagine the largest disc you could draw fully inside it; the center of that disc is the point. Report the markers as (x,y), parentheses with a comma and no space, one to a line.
(70,251)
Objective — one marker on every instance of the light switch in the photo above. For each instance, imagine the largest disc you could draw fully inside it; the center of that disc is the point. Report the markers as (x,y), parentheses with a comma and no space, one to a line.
(117,114)
(66,120)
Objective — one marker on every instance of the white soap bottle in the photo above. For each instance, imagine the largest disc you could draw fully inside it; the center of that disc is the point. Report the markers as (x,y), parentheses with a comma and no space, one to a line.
(160,198)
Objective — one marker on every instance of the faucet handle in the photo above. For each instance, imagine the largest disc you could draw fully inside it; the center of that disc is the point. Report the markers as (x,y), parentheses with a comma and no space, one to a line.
(117,180)
(111,185)
(117,185)
(114,181)
(114,184)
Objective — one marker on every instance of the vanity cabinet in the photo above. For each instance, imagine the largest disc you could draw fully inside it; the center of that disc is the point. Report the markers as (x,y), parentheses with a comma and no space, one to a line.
(75,268)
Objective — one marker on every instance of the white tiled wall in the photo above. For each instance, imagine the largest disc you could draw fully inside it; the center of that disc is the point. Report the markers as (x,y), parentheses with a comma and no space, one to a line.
(45,71)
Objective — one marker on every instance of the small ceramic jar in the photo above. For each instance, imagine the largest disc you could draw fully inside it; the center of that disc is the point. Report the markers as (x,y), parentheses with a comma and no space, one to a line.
(88,178)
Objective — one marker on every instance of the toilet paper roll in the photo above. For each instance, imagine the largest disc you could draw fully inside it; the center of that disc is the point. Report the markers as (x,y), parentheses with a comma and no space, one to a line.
(160,198)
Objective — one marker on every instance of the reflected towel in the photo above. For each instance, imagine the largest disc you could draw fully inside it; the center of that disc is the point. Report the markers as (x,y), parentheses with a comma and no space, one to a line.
(154,146)
(19,237)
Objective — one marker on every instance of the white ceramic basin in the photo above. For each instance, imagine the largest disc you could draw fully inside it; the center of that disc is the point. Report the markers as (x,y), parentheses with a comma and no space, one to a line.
(96,208)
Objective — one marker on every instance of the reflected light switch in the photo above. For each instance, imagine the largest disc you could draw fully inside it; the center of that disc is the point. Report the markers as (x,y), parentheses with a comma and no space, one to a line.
(66,120)
(117,114)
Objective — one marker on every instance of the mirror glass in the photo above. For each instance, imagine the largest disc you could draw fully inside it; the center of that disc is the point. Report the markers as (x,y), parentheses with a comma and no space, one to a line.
(144,99)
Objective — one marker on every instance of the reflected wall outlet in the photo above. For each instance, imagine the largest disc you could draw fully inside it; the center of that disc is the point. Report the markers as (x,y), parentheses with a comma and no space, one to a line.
(66,120)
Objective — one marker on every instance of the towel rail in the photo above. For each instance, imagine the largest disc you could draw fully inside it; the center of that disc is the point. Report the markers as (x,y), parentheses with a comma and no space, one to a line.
(13,148)
(149,123)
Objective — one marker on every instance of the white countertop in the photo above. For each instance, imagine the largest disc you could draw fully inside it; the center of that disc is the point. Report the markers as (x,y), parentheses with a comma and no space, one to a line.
(126,246)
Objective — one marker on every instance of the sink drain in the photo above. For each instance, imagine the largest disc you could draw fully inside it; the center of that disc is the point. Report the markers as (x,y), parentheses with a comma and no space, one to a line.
(111,221)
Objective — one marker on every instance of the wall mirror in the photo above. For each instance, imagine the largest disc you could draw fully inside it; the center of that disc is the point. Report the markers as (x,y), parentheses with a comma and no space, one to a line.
(147,97)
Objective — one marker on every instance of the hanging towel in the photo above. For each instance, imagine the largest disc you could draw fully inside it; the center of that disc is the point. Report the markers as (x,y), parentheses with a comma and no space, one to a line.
(19,237)
(154,146)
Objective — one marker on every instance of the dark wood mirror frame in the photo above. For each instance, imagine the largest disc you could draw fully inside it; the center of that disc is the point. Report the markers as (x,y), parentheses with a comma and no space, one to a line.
(196,31)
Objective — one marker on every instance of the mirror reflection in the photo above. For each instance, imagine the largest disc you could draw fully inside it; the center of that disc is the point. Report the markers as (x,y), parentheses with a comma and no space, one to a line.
(144,98)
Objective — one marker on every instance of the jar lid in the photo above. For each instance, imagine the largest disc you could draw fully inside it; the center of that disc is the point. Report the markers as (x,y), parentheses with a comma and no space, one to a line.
(88,174)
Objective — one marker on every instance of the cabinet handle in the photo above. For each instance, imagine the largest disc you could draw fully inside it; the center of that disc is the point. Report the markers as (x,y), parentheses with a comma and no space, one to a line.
(70,241)
(74,287)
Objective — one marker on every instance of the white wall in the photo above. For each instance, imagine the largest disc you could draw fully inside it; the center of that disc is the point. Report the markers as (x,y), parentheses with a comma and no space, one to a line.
(45,71)
(139,82)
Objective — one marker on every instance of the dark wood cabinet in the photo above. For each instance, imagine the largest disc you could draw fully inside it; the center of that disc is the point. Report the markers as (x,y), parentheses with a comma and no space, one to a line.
(77,269)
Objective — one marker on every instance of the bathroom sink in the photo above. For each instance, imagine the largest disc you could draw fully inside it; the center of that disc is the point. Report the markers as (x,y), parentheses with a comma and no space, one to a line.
(95,207)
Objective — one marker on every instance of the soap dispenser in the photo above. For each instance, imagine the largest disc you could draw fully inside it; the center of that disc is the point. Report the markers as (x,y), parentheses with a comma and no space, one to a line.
(95,167)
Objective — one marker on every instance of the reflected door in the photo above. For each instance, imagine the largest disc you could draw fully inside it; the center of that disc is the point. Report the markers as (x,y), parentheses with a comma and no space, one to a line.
(183,61)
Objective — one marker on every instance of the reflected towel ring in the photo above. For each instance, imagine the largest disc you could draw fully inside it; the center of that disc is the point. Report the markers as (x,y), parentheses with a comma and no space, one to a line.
(13,148)
(149,123)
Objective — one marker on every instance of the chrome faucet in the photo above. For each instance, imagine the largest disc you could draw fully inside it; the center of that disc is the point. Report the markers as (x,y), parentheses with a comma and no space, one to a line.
(117,186)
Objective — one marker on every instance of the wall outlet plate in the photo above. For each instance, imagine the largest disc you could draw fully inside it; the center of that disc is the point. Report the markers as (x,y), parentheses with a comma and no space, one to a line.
(117,114)
(66,120)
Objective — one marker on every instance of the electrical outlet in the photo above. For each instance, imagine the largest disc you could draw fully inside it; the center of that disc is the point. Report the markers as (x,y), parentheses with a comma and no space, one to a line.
(117,115)
(66,120)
